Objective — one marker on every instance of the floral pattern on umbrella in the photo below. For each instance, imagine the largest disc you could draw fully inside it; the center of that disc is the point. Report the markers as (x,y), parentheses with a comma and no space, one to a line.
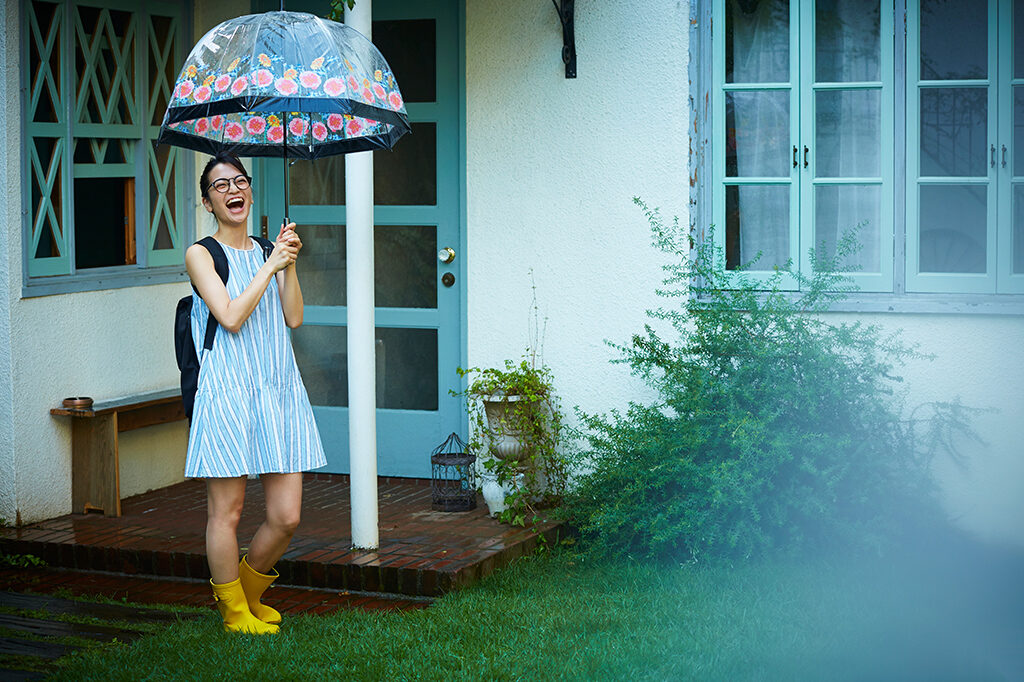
(336,90)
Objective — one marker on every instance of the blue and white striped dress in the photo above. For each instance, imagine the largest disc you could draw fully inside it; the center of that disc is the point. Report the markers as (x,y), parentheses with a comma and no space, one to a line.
(252,414)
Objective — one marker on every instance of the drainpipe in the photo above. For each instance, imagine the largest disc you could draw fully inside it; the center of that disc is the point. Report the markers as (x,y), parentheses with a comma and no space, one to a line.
(362,393)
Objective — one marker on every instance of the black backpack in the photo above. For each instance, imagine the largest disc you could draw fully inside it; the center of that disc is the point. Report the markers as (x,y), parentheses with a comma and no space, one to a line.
(184,344)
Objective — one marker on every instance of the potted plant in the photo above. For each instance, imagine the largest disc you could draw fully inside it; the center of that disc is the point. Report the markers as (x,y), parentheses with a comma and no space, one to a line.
(516,426)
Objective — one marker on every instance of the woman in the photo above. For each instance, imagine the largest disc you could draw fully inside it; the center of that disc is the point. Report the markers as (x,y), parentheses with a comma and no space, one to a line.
(251,414)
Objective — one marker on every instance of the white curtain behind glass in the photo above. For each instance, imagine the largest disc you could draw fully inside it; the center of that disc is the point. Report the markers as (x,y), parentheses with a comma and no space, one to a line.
(848,127)
(760,54)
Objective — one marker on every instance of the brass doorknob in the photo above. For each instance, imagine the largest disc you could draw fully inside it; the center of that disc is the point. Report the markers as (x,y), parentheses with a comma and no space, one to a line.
(446,255)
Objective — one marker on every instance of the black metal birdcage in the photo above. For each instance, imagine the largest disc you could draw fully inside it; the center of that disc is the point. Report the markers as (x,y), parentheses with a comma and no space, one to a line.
(452,476)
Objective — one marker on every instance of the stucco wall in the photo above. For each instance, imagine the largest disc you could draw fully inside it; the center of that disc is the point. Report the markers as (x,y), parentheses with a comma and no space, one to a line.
(552,165)
(980,360)
(101,343)
(9,179)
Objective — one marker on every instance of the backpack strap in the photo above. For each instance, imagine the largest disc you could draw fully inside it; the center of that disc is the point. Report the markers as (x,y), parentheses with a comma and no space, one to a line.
(266,245)
(220,264)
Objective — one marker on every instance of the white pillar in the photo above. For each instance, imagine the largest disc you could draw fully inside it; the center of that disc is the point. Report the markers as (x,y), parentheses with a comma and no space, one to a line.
(362,392)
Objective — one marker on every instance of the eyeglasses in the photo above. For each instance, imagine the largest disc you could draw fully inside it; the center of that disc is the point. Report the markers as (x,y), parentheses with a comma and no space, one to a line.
(222,185)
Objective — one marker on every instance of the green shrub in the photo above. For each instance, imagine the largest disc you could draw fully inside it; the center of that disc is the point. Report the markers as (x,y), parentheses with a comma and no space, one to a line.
(775,429)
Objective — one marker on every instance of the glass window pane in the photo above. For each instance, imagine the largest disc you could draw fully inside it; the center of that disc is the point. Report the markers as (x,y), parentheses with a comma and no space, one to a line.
(409,46)
(757,226)
(757,41)
(848,133)
(1017,237)
(404,176)
(405,265)
(840,210)
(954,129)
(406,366)
(848,46)
(953,236)
(757,134)
(954,39)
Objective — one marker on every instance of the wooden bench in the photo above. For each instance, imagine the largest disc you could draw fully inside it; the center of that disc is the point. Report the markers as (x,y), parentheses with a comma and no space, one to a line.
(95,481)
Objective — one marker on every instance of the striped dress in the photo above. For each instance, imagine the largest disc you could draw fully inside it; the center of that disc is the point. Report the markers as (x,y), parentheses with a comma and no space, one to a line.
(252,414)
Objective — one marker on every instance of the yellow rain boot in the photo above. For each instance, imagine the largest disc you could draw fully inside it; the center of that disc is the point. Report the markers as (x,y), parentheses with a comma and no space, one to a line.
(235,611)
(255,584)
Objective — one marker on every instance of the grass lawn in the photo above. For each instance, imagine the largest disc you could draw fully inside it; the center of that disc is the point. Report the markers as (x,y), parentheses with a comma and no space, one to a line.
(955,614)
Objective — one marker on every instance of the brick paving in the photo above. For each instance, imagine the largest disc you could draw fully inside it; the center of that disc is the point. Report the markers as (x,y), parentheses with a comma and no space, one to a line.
(189,592)
(161,534)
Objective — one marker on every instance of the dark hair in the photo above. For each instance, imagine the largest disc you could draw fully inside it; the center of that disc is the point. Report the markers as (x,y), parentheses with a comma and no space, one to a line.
(220,157)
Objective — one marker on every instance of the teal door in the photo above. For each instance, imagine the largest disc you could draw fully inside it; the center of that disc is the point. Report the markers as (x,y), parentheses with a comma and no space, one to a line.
(416,215)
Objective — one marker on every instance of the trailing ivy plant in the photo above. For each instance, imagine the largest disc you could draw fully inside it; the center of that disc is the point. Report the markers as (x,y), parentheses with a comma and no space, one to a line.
(532,413)
(775,428)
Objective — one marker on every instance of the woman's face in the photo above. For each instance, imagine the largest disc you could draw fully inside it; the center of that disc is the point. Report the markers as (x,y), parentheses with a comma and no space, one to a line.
(230,207)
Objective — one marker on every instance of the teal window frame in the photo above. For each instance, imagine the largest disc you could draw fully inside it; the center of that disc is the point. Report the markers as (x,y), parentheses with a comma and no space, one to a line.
(47,191)
(895,289)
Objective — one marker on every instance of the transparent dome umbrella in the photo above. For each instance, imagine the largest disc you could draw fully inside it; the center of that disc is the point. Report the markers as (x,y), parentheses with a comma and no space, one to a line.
(286,84)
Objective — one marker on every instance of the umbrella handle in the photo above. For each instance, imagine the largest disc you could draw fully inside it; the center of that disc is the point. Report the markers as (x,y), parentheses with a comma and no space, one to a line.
(284,156)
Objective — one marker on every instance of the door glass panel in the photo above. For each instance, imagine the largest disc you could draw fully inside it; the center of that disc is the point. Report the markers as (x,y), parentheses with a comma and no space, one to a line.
(954,129)
(409,46)
(1018,33)
(953,237)
(406,366)
(847,35)
(757,41)
(757,222)
(405,265)
(848,133)
(407,175)
(404,176)
(842,209)
(954,39)
(321,353)
(757,134)
(318,183)
(1018,129)
(1018,229)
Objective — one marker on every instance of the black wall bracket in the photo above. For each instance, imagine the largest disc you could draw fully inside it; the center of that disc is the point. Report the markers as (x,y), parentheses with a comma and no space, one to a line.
(566,16)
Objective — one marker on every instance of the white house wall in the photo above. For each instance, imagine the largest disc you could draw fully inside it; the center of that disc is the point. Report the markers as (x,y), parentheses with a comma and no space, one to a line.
(980,360)
(10,174)
(100,343)
(552,166)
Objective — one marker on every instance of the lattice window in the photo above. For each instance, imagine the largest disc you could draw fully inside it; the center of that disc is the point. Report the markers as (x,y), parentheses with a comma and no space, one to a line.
(99,76)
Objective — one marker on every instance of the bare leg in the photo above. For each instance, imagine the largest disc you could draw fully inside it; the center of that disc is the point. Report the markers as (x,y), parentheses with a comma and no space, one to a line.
(224,500)
(284,507)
